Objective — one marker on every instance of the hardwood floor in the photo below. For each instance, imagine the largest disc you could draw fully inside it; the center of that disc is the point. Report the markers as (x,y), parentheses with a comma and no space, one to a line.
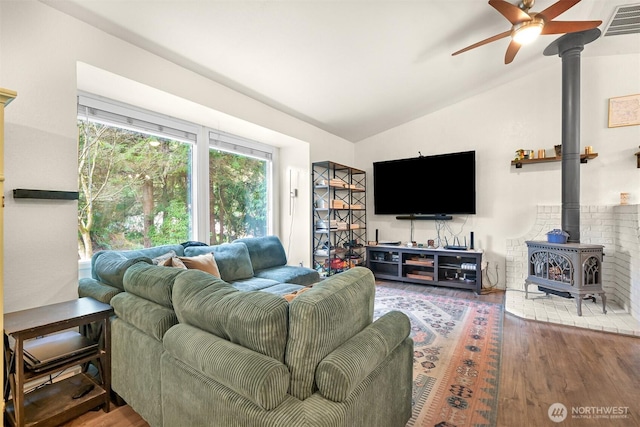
(542,364)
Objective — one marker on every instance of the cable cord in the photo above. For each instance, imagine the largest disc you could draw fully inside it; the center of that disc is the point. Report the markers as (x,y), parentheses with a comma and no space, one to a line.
(443,227)
(488,277)
(293,210)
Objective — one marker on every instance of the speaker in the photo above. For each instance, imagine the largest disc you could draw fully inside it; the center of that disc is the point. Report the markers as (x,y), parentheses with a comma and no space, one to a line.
(471,241)
(376,235)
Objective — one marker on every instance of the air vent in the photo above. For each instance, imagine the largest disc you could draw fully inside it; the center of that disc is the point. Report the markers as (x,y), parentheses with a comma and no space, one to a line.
(625,20)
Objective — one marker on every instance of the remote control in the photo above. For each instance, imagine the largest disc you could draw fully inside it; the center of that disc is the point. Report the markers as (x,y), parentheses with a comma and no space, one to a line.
(83,391)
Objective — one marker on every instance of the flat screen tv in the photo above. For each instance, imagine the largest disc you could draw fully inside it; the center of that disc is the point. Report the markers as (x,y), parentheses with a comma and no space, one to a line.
(438,185)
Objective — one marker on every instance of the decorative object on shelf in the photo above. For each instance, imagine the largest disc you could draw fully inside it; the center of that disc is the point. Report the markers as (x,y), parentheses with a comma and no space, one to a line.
(524,154)
(624,198)
(638,158)
(588,149)
(624,111)
(542,153)
(558,149)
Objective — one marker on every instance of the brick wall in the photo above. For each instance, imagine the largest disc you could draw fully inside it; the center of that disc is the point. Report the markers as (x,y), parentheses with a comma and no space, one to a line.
(627,261)
(617,228)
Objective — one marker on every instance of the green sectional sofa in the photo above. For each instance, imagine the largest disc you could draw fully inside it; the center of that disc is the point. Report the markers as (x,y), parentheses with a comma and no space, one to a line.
(249,348)
(191,349)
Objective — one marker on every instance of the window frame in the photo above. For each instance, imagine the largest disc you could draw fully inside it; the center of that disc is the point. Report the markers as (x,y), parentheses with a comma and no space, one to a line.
(116,113)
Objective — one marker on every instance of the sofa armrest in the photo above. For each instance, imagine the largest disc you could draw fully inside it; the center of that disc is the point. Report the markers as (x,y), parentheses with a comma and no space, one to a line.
(95,289)
(257,377)
(347,366)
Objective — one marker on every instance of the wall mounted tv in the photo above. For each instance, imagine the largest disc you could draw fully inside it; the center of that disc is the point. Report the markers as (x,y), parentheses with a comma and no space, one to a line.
(426,187)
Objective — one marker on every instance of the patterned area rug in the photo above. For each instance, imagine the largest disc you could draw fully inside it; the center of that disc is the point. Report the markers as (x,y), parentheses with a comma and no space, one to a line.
(456,363)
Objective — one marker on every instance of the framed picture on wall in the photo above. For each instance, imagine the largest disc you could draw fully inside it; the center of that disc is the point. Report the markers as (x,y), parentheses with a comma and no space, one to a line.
(624,111)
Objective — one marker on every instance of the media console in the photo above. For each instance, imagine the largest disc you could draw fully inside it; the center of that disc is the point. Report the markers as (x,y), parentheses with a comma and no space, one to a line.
(436,267)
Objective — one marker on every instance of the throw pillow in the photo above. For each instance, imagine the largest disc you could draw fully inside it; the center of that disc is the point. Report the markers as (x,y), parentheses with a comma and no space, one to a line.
(173,262)
(205,262)
(292,295)
(160,258)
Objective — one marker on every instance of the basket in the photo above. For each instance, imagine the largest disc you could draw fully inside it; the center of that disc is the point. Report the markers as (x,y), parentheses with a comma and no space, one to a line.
(557,236)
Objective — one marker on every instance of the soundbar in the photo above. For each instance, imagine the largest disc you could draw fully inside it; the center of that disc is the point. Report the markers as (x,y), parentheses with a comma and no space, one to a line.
(426,217)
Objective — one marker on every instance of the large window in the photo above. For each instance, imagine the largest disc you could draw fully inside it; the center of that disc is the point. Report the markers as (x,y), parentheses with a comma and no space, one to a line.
(137,183)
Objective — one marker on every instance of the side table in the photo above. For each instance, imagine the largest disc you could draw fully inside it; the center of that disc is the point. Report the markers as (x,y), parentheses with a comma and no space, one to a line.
(54,404)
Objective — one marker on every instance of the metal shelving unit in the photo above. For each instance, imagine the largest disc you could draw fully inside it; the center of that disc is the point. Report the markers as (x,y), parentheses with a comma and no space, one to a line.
(339,217)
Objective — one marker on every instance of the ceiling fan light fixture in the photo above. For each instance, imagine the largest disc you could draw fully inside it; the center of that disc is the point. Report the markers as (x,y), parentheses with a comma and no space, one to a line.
(526,32)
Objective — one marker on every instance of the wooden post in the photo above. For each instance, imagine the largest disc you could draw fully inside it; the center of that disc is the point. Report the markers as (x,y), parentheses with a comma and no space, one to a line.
(6,96)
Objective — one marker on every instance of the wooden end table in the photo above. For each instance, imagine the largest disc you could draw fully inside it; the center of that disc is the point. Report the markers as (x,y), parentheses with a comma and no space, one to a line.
(54,404)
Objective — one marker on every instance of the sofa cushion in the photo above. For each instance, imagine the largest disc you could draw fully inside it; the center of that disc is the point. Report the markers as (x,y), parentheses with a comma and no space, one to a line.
(290,274)
(265,252)
(259,378)
(345,368)
(136,253)
(152,319)
(90,287)
(111,267)
(345,299)
(256,320)
(152,282)
(232,259)
(254,284)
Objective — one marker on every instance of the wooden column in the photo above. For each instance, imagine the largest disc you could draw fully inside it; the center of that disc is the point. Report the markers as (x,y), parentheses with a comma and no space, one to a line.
(6,96)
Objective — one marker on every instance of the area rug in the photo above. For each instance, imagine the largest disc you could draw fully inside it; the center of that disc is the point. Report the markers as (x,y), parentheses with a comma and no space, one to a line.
(456,362)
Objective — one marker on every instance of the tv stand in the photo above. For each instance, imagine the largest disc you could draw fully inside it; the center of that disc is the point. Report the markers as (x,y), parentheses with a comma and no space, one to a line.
(426,217)
(437,267)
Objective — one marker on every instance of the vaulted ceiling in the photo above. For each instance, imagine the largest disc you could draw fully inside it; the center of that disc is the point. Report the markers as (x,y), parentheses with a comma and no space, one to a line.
(354,68)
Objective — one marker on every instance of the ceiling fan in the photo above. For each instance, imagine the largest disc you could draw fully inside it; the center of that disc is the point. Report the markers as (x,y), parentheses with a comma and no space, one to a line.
(526,26)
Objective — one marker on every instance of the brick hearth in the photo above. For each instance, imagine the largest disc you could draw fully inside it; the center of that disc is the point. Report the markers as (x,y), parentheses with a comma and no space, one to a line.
(617,228)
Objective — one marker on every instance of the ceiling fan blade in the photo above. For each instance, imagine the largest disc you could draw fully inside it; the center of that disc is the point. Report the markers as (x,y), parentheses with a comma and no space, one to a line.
(513,13)
(511,52)
(562,27)
(483,42)
(557,8)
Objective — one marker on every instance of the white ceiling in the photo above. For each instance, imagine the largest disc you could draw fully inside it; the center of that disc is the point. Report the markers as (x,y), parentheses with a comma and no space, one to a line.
(354,68)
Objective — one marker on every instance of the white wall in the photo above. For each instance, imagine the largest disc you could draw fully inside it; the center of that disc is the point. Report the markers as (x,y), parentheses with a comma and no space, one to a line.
(42,49)
(522,114)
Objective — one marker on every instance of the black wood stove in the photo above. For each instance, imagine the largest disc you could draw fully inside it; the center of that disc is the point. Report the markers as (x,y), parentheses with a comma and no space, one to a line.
(571,270)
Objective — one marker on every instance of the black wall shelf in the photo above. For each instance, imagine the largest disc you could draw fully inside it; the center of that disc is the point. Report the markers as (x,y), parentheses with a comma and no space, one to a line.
(21,193)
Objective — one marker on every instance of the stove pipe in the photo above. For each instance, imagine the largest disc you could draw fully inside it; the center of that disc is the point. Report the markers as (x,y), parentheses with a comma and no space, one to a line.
(569,48)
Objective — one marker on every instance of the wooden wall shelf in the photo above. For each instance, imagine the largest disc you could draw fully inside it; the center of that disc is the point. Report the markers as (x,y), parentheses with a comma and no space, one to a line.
(583,159)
